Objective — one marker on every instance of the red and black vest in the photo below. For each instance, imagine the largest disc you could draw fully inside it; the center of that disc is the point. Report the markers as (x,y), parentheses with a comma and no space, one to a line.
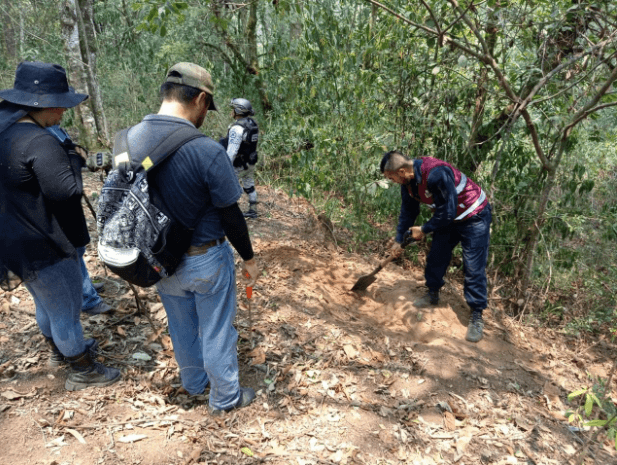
(471,198)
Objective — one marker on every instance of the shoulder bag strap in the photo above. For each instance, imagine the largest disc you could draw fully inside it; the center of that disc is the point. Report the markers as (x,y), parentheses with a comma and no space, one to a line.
(168,146)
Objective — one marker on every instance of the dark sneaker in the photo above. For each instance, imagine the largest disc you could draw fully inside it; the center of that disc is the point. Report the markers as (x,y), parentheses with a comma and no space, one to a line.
(429,300)
(250,213)
(246,397)
(98,286)
(86,372)
(475,330)
(99,308)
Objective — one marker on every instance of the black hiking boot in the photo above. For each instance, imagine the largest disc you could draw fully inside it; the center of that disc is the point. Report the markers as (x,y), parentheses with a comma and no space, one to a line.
(87,372)
(252,211)
(246,397)
(475,330)
(430,299)
(56,358)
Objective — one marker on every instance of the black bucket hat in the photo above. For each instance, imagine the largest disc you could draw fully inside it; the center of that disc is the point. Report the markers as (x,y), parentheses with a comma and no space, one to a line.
(42,85)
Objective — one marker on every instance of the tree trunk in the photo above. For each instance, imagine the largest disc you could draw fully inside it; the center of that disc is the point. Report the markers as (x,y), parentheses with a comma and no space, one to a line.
(475,145)
(85,17)
(22,34)
(75,67)
(127,15)
(374,11)
(251,35)
(9,39)
(535,229)
(227,39)
(533,235)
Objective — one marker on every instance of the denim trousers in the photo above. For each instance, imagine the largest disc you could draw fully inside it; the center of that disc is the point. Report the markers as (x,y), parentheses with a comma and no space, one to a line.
(57,295)
(474,236)
(200,302)
(91,298)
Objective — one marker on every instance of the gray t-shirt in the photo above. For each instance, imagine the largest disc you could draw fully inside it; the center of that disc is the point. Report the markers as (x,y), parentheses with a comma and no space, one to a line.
(194,182)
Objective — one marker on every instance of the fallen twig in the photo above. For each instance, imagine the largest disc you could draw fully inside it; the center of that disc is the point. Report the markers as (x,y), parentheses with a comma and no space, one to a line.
(142,310)
(132,422)
(89,205)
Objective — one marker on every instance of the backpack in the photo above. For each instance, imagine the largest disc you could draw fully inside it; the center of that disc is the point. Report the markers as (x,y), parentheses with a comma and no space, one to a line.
(138,240)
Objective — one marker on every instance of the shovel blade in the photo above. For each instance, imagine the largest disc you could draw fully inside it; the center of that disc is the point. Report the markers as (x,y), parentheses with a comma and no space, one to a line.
(364,282)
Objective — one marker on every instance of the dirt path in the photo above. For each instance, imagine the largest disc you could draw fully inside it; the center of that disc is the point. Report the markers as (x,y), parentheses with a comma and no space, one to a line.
(342,378)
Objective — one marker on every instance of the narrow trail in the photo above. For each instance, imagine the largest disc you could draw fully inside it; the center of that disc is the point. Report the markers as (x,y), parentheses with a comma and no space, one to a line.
(342,378)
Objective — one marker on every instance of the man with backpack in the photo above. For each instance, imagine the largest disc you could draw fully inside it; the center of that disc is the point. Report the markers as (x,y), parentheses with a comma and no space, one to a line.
(42,223)
(196,186)
(241,145)
(461,213)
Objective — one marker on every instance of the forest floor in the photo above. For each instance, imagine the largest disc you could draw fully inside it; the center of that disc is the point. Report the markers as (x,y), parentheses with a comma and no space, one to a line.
(342,378)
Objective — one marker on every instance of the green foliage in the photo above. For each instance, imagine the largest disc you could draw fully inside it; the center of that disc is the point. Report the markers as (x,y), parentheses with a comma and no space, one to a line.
(346,82)
(158,14)
(595,396)
(40,39)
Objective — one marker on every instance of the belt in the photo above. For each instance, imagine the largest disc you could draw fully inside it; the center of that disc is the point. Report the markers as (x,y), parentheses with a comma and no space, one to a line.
(203,248)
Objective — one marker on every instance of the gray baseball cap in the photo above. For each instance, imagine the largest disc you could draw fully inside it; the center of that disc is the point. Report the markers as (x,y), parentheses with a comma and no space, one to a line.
(190,74)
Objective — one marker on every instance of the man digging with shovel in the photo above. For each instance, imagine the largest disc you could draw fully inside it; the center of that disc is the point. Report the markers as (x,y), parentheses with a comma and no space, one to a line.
(461,213)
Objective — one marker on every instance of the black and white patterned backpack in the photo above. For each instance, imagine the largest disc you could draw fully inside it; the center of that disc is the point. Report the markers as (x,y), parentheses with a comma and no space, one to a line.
(138,241)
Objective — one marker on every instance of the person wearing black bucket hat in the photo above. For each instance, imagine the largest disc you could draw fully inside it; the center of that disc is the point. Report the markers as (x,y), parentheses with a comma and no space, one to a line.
(41,219)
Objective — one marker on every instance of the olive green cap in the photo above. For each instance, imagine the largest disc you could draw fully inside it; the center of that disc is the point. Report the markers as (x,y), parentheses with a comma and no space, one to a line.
(190,74)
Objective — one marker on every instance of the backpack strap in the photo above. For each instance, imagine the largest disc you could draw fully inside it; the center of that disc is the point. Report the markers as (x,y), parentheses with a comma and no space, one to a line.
(121,158)
(168,146)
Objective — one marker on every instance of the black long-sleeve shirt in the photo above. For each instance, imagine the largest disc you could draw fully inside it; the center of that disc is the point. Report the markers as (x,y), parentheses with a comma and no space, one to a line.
(41,218)
(441,184)
(237,231)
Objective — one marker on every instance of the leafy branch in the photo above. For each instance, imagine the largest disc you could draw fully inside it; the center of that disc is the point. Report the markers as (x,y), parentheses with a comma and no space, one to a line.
(605,405)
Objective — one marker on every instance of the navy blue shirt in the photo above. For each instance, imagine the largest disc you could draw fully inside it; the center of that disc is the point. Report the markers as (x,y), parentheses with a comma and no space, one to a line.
(194,182)
(441,184)
(41,219)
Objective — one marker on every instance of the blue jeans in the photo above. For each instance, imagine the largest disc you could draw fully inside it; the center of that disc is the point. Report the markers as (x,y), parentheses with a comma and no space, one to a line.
(474,236)
(200,301)
(57,296)
(91,298)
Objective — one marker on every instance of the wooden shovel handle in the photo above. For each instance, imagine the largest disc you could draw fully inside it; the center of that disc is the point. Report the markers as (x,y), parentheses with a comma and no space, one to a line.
(384,263)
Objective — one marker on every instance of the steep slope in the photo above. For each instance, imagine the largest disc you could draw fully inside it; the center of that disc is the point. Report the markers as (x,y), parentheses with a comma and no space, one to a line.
(342,377)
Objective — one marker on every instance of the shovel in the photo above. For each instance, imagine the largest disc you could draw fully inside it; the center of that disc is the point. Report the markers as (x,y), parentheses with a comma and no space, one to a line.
(365,281)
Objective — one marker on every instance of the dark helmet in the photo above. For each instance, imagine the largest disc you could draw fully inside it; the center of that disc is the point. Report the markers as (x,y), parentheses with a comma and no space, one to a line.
(242,107)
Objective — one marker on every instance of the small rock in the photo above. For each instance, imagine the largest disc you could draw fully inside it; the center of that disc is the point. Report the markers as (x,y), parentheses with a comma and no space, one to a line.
(141,356)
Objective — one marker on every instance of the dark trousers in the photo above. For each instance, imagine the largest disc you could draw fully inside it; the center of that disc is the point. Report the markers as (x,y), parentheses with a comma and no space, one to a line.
(474,236)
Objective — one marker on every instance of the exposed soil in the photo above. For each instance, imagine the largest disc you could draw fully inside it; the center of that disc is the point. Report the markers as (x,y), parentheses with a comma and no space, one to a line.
(341,377)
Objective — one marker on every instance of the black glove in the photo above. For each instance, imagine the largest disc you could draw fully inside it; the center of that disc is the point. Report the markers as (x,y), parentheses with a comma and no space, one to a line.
(99,161)
(407,239)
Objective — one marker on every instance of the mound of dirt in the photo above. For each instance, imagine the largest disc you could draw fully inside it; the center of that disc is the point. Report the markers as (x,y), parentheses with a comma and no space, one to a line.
(342,377)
